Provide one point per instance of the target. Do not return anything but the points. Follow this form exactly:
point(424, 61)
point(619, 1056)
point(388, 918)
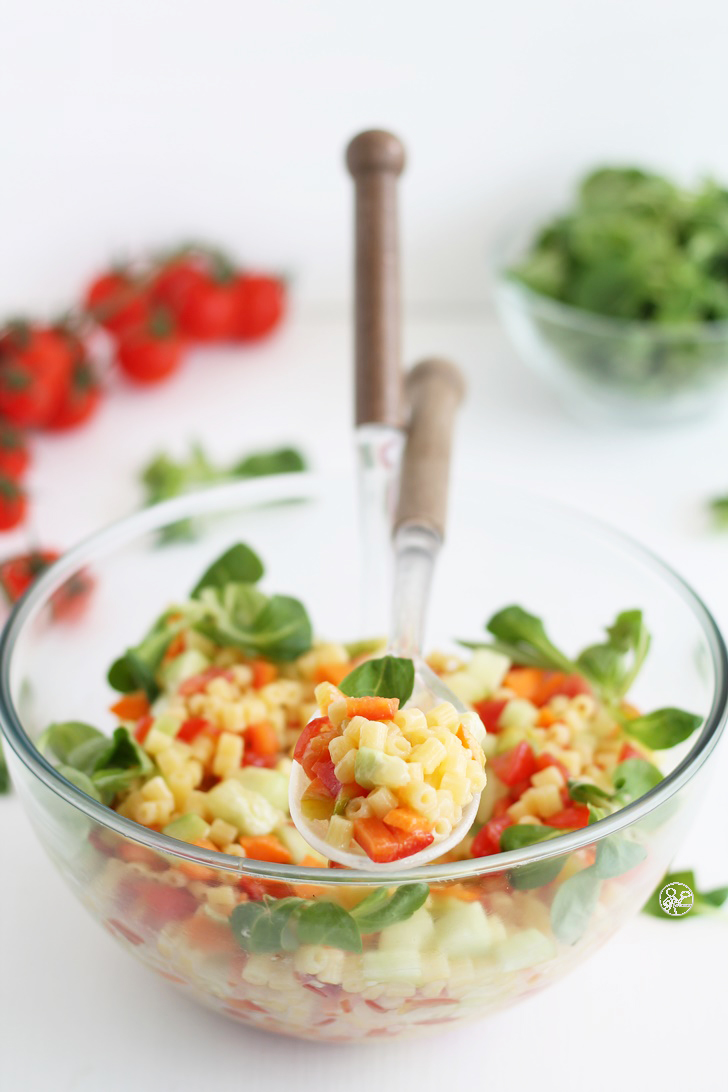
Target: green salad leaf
point(238, 565)
point(614, 665)
point(165, 477)
point(583, 792)
point(137, 668)
point(573, 905)
point(523, 637)
point(100, 765)
point(704, 902)
point(277, 925)
point(4, 775)
point(241, 616)
point(633, 778)
point(617, 855)
point(387, 677)
point(663, 728)
point(380, 908)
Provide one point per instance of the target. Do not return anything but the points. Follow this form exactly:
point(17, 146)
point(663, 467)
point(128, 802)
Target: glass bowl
point(492, 930)
point(636, 372)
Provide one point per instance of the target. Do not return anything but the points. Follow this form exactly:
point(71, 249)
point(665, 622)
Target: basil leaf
point(387, 677)
point(284, 460)
point(82, 781)
point(282, 630)
point(258, 926)
point(662, 729)
point(634, 777)
point(524, 634)
point(238, 565)
point(607, 666)
point(65, 737)
point(380, 909)
point(326, 923)
point(573, 905)
point(704, 902)
point(617, 855)
point(602, 664)
point(583, 792)
point(525, 834)
point(241, 616)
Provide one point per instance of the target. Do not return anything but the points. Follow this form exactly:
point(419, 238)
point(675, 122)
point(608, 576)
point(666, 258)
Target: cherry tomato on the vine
point(260, 303)
point(152, 352)
point(13, 504)
point(14, 452)
point(117, 302)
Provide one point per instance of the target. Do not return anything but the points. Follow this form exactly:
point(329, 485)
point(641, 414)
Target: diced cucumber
point(414, 934)
point(188, 828)
point(463, 930)
point(269, 783)
point(489, 668)
point(188, 663)
point(519, 715)
point(524, 949)
point(403, 966)
point(297, 845)
point(374, 768)
point(465, 686)
point(247, 810)
point(168, 723)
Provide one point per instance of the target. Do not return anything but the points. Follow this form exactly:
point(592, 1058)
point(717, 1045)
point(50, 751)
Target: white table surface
point(646, 1012)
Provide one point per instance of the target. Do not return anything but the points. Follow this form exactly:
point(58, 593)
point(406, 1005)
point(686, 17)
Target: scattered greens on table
point(636, 247)
point(704, 902)
point(4, 775)
point(164, 477)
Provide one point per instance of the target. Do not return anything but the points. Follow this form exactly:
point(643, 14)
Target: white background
point(128, 124)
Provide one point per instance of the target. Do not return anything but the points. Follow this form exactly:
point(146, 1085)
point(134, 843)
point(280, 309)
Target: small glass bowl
point(491, 931)
point(602, 367)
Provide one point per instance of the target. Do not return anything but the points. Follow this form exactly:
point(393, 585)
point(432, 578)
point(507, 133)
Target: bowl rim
point(302, 486)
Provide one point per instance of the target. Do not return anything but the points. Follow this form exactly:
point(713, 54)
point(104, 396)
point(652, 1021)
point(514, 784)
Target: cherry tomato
point(14, 453)
point(174, 282)
point(80, 399)
point(117, 302)
point(13, 504)
point(489, 712)
point(152, 352)
point(69, 601)
point(260, 303)
point(209, 311)
point(35, 365)
point(571, 818)
point(18, 573)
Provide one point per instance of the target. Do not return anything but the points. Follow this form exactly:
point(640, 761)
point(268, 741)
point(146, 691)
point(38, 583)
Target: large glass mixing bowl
point(491, 931)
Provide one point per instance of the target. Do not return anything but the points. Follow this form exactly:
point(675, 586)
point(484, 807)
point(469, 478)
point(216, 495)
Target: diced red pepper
point(312, 729)
point(572, 818)
point(489, 712)
point(487, 840)
point(324, 771)
point(569, 686)
point(317, 790)
point(163, 903)
point(266, 762)
point(519, 788)
point(197, 683)
point(191, 728)
point(628, 751)
point(261, 738)
point(515, 765)
point(142, 729)
point(545, 759)
point(382, 844)
point(317, 746)
point(502, 805)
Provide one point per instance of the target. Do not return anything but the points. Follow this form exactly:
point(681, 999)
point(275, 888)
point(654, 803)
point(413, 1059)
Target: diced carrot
point(310, 890)
point(372, 708)
point(456, 891)
point(262, 738)
point(558, 682)
point(131, 706)
point(332, 673)
point(525, 682)
point(176, 646)
point(263, 673)
point(210, 936)
point(265, 847)
point(407, 819)
point(382, 843)
point(197, 871)
point(546, 718)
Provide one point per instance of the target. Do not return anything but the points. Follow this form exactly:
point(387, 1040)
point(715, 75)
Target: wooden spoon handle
point(435, 389)
point(375, 160)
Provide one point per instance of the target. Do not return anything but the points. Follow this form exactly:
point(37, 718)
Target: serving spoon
point(435, 389)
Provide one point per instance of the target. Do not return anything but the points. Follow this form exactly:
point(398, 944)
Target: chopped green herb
point(388, 677)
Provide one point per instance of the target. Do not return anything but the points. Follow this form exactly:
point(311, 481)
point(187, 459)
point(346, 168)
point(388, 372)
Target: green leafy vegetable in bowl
point(628, 288)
